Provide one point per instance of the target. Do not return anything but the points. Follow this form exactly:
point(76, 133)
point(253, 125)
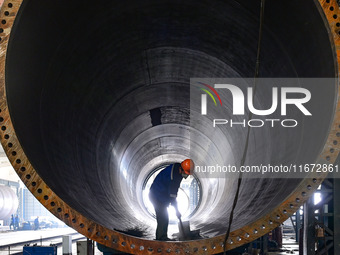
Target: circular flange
point(133, 245)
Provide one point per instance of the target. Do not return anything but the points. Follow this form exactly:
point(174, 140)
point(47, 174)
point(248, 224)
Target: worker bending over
point(163, 192)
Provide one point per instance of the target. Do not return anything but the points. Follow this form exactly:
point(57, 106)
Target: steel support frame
point(336, 208)
point(309, 228)
point(327, 215)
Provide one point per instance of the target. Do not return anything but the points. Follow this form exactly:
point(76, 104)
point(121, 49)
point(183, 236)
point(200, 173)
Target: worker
point(16, 222)
point(163, 192)
point(12, 223)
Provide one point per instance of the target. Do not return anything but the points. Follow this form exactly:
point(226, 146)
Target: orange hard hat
point(188, 165)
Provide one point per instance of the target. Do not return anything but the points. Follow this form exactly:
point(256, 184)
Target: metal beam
point(336, 204)
point(309, 228)
point(297, 225)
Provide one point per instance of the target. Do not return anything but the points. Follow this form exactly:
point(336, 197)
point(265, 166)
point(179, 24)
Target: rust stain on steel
point(135, 245)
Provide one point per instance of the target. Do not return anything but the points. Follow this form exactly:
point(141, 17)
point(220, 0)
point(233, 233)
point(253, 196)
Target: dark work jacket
point(166, 184)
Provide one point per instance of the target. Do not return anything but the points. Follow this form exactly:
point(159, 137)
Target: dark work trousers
point(162, 217)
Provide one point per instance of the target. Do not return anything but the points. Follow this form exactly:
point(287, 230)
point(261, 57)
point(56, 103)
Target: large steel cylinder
point(95, 96)
point(8, 202)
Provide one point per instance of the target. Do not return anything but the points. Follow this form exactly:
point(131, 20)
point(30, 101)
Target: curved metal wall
point(8, 202)
point(79, 81)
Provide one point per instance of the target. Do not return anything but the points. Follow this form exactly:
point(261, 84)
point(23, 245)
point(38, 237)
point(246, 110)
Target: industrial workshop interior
point(169, 127)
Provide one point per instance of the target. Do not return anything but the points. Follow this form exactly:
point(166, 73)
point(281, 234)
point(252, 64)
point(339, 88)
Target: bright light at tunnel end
point(188, 197)
point(183, 205)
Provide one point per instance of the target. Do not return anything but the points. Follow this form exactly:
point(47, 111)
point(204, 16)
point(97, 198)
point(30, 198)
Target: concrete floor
point(12, 237)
